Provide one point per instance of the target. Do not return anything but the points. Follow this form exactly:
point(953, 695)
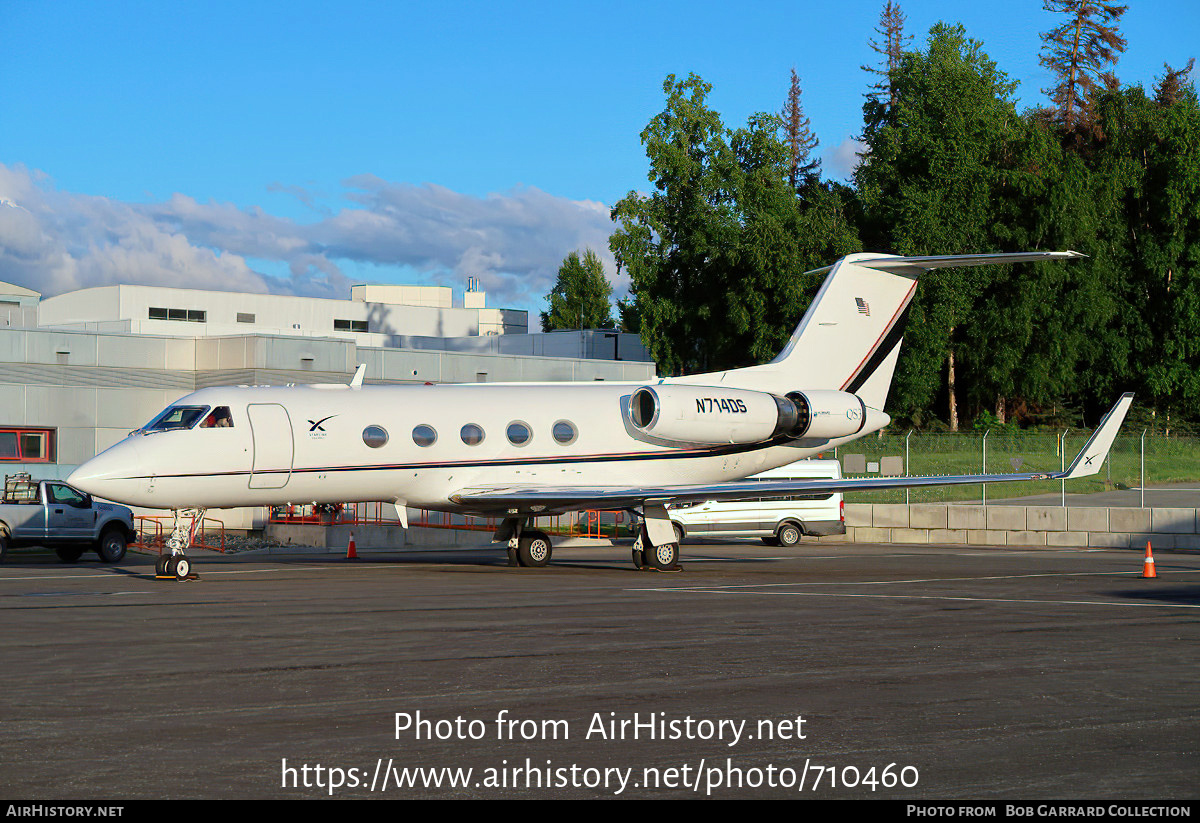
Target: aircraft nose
point(110, 473)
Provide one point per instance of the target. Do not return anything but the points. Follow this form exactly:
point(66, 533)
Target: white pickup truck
point(50, 513)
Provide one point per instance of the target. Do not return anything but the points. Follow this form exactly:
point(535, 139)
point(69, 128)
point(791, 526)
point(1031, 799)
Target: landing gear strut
point(526, 547)
point(175, 565)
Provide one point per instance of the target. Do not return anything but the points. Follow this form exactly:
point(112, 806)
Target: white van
point(779, 522)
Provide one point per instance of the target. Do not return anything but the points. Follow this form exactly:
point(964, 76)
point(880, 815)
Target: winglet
point(1092, 455)
point(359, 374)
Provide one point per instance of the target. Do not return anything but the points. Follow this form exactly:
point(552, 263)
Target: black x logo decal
point(316, 424)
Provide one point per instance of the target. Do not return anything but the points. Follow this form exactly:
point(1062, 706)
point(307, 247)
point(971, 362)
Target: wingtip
point(1095, 450)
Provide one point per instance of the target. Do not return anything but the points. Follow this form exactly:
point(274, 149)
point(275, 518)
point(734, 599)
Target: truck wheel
point(3, 545)
point(111, 547)
point(69, 554)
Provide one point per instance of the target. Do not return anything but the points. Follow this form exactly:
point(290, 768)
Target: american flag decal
point(863, 308)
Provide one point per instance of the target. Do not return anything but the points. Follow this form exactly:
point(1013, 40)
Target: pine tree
point(1081, 53)
point(891, 29)
point(802, 167)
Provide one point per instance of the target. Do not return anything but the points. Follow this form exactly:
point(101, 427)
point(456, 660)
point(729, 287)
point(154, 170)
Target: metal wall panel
point(94, 377)
point(12, 405)
point(47, 347)
point(60, 406)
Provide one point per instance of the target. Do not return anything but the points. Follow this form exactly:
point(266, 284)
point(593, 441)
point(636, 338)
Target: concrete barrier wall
point(1021, 525)
point(334, 539)
point(954, 524)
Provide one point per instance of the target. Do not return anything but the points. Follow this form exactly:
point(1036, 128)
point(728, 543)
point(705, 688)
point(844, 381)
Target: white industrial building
point(80, 370)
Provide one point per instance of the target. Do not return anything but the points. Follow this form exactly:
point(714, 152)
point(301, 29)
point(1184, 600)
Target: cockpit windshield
point(176, 417)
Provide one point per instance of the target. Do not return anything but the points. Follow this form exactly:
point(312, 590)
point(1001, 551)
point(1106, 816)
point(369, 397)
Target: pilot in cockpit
point(220, 418)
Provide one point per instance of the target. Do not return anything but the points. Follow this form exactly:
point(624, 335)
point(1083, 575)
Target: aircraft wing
point(554, 499)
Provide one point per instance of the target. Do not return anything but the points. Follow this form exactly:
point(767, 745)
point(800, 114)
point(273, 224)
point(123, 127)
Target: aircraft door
point(271, 428)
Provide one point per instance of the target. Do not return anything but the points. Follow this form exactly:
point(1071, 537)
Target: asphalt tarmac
point(821, 671)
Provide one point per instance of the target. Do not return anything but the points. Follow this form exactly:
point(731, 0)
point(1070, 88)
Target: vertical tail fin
point(850, 337)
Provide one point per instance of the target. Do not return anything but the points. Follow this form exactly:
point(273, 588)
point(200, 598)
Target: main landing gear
point(657, 543)
point(175, 565)
point(660, 558)
point(526, 547)
point(656, 547)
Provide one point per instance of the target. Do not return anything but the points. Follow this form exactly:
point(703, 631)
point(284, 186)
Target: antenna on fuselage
point(359, 374)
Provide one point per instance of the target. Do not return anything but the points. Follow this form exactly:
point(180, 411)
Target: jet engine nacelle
point(826, 414)
point(715, 416)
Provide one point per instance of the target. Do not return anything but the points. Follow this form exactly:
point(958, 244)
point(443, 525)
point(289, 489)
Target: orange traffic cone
point(1148, 565)
point(351, 552)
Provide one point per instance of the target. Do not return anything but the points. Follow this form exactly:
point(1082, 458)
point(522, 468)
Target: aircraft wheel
point(534, 550)
point(160, 565)
point(69, 554)
point(788, 534)
point(639, 559)
point(179, 567)
point(663, 558)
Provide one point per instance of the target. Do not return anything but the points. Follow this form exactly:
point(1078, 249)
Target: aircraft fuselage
point(302, 444)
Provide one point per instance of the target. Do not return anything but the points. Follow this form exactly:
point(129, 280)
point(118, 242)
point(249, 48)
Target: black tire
point(111, 547)
point(789, 535)
point(3, 545)
point(179, 567)
point(678, 531)
point(69, 554)
point(770, 541)
point(160, 565)
point(534, 550)
point(639, 559)
point(663, 558)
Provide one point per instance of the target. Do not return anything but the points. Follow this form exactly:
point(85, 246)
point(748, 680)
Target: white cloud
point(844, 157)
point(55, 241)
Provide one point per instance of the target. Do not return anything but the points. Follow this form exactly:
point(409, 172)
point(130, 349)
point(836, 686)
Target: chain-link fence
point(1135, 461)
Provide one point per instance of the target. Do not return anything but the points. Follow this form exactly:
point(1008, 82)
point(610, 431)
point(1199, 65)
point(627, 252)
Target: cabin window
point(220, 418)
point(375, 436)
point(176, 417)
point(519, 433)
point(471, 434)
point(564, 432)
point(424, 435)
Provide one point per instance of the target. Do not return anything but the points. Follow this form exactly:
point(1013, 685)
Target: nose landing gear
point(176, 565)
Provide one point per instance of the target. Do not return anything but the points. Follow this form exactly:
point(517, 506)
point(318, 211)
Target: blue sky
point(298, 147)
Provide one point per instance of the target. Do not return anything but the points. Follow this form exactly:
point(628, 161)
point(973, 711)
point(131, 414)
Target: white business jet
point(520, 450)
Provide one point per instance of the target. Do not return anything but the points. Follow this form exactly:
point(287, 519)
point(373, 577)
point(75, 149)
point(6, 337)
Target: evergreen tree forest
point(717, 251)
